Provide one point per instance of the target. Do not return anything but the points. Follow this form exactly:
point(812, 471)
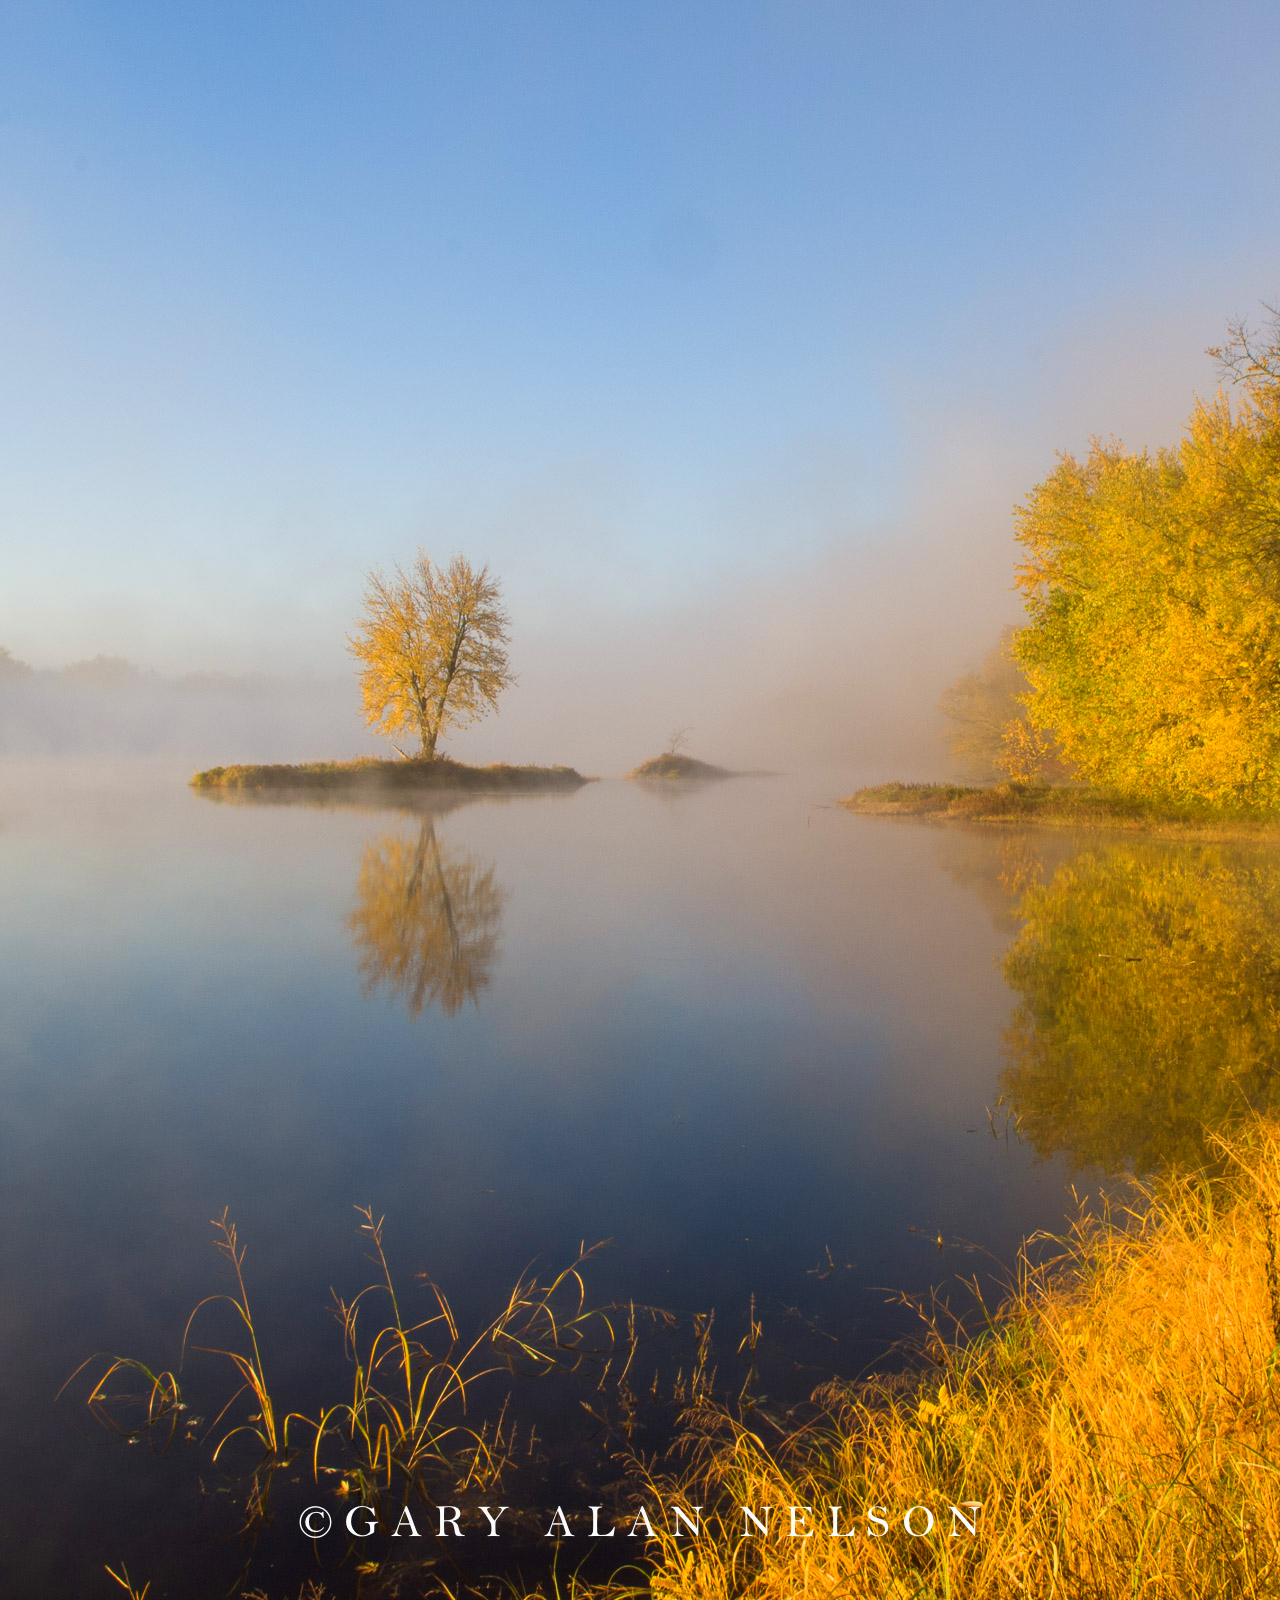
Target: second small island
point(671, 765)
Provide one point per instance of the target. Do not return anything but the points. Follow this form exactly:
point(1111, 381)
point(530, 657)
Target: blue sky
point(654, 304)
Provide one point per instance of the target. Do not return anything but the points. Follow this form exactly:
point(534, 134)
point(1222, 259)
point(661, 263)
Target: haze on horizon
point(727, 334)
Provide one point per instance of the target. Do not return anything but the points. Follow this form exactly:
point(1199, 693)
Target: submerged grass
point(1116, 1424)
point(1059, 805)
point(370, 772)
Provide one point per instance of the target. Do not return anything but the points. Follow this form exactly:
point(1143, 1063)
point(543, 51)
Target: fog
point(814, 623)
point(199, 719)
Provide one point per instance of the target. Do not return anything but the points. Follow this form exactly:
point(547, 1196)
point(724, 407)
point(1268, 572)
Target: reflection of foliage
point(426, 921)
point(1149, 1002)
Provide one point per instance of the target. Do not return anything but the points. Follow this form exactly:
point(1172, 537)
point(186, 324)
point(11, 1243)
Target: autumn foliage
point(1152, 586)
point(432, 649)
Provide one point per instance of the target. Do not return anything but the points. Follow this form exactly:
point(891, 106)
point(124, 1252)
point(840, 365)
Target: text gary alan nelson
point(785, 1522)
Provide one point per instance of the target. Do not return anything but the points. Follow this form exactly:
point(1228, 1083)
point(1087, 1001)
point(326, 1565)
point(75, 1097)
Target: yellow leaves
point(1025, 750)
point(932, 1410)
point(432, 647)
point(988, 731)
point(1153, 592)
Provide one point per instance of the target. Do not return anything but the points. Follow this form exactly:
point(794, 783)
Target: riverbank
point(1114, 1430)
point(1055, 806)
point(397, 777)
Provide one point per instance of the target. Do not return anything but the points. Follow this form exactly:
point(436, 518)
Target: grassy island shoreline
point(401, 777)
point(1055, 805)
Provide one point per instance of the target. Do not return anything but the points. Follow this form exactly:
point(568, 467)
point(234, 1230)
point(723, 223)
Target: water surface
point(757, 1043)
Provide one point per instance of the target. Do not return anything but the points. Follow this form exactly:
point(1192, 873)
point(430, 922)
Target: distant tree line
point(104, 672)
point(1150, 662)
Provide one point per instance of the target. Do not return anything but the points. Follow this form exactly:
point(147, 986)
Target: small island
point(432, 646)
point(672, 765)
point(370, 773)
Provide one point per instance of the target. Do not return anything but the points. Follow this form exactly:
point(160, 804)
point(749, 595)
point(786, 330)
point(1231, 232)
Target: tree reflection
point(1148, 1011)
point(426, 921)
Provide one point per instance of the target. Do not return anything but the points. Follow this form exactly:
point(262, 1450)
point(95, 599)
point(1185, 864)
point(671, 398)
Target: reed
point(405, 1427)
point(1112, 1426)
point(123, 1579)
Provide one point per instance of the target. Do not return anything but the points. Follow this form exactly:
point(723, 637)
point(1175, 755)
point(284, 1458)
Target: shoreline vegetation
point(1145, 663)
point(401, 777)
point(1112, 1427)
point(1056, 805)
point(671, 765)
point(1117, 1418)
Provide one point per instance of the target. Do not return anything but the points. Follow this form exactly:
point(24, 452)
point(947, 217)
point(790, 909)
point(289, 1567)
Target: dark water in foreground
point(750, 1039)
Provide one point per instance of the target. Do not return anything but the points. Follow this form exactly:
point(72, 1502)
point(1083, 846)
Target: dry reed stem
point(404, 1425)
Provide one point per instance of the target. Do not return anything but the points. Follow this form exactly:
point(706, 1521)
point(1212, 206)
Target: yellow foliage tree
point(432, 643)
point(1152, 584)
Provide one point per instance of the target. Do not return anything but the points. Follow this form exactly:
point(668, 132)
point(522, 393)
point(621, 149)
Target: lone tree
point(432, 643)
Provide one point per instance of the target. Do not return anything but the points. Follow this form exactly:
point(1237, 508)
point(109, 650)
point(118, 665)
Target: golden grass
point(122, 1578)
point(1113, 1428)
point(1118, 1419)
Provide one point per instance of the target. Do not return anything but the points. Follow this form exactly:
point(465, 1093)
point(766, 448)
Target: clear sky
point(669, 309)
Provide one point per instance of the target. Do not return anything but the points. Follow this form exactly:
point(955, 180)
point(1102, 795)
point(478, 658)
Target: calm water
point(729, 1028)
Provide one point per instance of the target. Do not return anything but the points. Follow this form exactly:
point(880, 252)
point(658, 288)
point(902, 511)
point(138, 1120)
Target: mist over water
point(814, 621)
point(201, 724)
